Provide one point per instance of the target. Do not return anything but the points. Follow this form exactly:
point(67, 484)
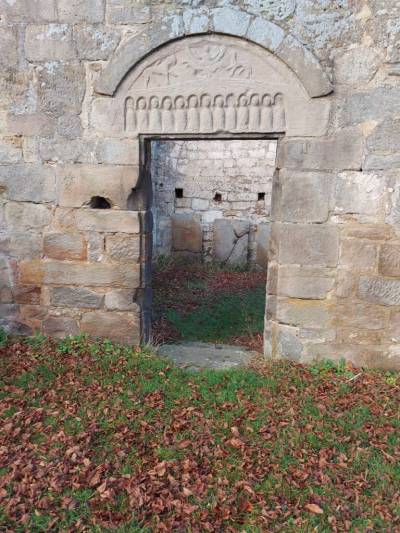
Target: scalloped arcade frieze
point(210, 84)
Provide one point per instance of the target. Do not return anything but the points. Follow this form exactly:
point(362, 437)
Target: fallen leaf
point(314, 508)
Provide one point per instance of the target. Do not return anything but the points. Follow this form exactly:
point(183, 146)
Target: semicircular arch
point(224, 21)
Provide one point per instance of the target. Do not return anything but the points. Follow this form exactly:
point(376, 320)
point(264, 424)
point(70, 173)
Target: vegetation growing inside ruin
point(207, 302)
point(98, 437)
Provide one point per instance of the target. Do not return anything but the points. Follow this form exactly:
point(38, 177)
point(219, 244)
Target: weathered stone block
point(123, 248)
point(231, 241)
point(343, 152)
point(8, 313)
point(60, 326)
point(23, 244)
point(31, 183)
point(6, 279)
point(64, 246)
point(376, 104)
point(121, 300)
point(29, 10)
point(95, 246)
point(27, 294)
point(265, 33)
point(385, 137)
point(28, 124)
point(389, 260)
point(356, 66)
point(73, 11)
point(309, 283)
point(30, 149)
point(79, 273)
point(360, 315)
point(69, 126)
point(186, 234)
point(262, 245)
point(379, 290)
point(64, 220)
point(119, 327)
point(61, 88)
point(102, 118)
point(33, 314)
point(228, 20)
point(56, 149)
point(125, 12)
point(357, 254)
point(345, 284)
point(304, 313)
point(118, 152)
point(359, 193)
point(394, 206)
point(75, 297)
point(373, 232)
point(52, 42)
point(8, 43)
point(305, 65)
point(308, 244)
point(288, 344)
point(79, 183)
point(195, 21)
point(108, 221)
point(305, 197)
point(382, 161)
point(95, 43)
point(395, 326)
point(199, 204)
point(359, 355)
point(21, 216)
point(360, 336)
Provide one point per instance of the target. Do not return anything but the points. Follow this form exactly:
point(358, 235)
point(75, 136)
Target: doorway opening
point(211, 206)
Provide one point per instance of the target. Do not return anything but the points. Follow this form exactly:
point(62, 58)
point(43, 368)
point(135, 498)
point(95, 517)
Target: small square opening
point(218, 197)
point(178, 193)
point(261, 196)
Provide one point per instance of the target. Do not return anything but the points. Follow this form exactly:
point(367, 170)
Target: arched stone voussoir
point(225, 21)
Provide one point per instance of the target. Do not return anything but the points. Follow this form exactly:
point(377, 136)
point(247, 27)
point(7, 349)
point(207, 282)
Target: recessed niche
point(98, 202)
point(178, 193)
point(218, 197)
point(261, 196)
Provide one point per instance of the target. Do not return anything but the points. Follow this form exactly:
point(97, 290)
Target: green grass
point(232, 315)
point(99, 437)
point(208, 302)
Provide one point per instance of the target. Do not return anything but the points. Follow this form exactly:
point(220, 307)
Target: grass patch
point(209, 303)
point(231, 315)
point(99, 437)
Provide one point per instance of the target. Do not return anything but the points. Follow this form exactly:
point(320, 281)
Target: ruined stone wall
point(204, 182)
point(66, 68)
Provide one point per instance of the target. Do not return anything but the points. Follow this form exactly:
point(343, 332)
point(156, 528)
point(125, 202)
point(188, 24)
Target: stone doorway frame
point(142, 199)
point(301, 239)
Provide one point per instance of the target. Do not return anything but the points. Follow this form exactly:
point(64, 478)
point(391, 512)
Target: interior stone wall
point(71, 73)
point(220, 182)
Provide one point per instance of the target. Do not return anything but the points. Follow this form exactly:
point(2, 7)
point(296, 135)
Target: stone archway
point(182, 83)
point(224, 21)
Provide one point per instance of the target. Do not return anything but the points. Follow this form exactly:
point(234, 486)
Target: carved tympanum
point(207, 84)
point(161, 98)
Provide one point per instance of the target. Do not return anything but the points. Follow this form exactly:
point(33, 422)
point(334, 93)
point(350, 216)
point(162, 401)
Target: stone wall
point(71, 77)
point(216, 187)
